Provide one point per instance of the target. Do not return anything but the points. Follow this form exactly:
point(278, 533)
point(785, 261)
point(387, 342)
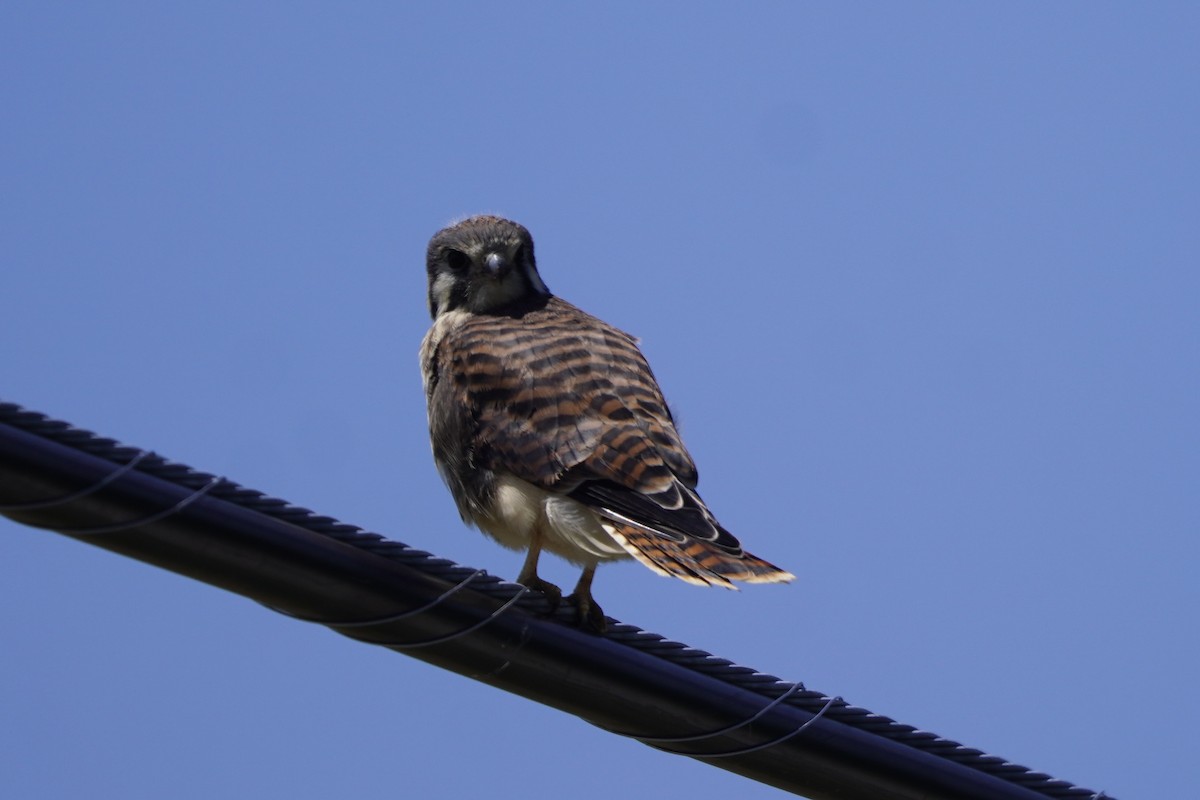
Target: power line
point(375, 590)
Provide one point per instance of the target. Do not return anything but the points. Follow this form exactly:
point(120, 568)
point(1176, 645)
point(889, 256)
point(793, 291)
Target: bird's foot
point(588, 613)
point(552, 593)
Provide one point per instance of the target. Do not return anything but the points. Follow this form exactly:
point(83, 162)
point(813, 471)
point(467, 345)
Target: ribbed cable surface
point(765, 685)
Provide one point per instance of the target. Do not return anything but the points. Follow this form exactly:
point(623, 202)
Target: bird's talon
point(588, 614)
point(552, 593)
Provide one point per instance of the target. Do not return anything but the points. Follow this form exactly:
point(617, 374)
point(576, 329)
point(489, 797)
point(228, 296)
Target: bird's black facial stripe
point(446, 293)
point(458, 296)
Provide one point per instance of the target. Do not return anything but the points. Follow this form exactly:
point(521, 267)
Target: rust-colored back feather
point(567, 402)
point(697, 562)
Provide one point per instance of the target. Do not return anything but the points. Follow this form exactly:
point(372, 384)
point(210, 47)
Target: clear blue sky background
point(922, 281)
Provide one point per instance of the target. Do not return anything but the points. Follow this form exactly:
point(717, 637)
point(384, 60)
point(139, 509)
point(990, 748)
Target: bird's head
point(481, 264)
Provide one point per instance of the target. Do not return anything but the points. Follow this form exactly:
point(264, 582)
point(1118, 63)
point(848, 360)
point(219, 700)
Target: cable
point(362, 585)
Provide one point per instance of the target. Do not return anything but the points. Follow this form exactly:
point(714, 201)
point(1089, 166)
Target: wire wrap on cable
point(363, 623)
point(93, 530)
point(79, 494)
point(657, 742)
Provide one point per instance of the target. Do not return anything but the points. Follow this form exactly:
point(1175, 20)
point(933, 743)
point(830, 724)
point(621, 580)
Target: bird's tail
point(692, 560)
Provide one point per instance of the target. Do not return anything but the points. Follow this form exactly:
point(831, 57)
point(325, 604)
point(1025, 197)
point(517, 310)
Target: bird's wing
point(568, 402)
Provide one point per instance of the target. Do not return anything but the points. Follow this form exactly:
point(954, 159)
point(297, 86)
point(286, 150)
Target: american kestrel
point(550, 429)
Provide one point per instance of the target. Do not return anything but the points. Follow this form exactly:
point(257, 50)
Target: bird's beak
point(496, 264)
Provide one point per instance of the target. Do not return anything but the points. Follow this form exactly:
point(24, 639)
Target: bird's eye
point(457, 260)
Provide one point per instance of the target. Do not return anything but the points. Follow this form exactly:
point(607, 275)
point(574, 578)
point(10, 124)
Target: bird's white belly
point(569, 528)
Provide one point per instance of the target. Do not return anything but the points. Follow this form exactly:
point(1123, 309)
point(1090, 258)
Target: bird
point(550, 429)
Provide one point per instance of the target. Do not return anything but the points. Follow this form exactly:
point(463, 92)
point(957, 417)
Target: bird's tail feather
point(693, 560)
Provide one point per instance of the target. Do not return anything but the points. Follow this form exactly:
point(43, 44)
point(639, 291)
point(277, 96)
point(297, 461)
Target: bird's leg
point(590, 615)
point(529, 576)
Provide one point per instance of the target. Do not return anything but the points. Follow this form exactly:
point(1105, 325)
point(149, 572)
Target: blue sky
point(921, 281)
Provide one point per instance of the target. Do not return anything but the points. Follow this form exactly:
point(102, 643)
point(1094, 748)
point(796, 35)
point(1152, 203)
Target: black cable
point(380, 591)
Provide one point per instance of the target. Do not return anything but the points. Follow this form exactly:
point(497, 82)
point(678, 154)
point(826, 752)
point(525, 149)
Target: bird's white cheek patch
point(534, 279)
point(443, 284)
